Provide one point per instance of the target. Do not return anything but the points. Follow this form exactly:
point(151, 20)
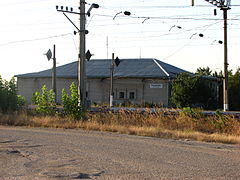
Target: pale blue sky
point(30, 27)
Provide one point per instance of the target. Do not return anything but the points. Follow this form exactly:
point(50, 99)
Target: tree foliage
point(71, 105)
point(204, 71)
point(9, 100)
point(45, 101)
point(192, 91)
point(233, 86)
point(234, 90)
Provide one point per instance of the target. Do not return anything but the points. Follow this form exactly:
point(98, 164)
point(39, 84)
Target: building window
point(131, 95)
point(121, 95)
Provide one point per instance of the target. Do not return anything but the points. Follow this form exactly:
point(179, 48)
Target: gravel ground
point(38, 153)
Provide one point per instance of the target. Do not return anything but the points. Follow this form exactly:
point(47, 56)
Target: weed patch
point(187, 125)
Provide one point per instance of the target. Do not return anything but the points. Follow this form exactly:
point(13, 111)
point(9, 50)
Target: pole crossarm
point(64, 11)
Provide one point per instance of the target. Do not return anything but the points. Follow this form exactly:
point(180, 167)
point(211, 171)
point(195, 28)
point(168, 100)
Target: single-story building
point(136, 81)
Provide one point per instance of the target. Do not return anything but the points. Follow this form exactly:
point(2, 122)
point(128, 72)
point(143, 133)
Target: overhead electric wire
point(162, 6)
point(176, 33)
point(36, 39)
point(191, 40)
point(169, 18)
point(153, 18)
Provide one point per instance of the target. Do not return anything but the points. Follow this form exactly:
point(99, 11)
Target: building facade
point(136, 81)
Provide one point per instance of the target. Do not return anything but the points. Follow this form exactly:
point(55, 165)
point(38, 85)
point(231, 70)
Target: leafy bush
point(234, 90)
point(21, 101)
point(190, 112)
point(9, 100)
point(71, 105)
point(222, 123)
point(45, 101)
point(192, 91)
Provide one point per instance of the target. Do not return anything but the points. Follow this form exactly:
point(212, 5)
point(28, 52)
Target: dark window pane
point(131, 95)
point(121, 95)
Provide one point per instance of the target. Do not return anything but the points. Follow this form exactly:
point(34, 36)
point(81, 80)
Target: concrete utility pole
point(115, 62)
point(54, 77)
point(82, 56)
point(224, 5)
point(225, 84)
point(82, 47)
point(111, 81)
point(49, 57)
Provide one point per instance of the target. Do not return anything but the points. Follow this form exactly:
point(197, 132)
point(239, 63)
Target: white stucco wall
point(146, 91)
point(27, 86)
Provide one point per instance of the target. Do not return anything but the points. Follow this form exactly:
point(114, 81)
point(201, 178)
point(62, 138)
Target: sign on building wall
point(156, 86)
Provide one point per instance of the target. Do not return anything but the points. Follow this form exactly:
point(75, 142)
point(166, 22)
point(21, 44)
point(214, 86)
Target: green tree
point(191, 91)
point(234, 90)
point(204, 71)
point(71, 105)
point(45, 101)
point(219, 75)
point(233, 86)
point(9, 100)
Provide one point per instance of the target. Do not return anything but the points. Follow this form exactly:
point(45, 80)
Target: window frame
point(120, 93)
point(132, 93)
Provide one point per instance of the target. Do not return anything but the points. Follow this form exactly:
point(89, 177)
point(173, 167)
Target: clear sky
point(167, 30)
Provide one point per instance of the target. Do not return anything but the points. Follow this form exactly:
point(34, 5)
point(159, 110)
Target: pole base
point(111, 101)
point(225, 107)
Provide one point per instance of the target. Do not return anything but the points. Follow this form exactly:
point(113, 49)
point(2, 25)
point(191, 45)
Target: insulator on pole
point(215, 12)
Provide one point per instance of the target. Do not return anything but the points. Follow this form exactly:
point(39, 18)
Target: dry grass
point(219, 128)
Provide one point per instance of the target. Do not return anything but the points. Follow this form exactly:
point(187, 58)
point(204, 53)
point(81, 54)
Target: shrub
point(190, 112)
point(221, 122)
point(71, 105)
point(21, 101)
point(45, 101)
point(192, 91)
point(9, 100)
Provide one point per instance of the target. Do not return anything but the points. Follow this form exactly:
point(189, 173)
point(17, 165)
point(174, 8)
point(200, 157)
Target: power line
point(180, 32)
point(160, 7)
point(36, 39)
point(170, 18)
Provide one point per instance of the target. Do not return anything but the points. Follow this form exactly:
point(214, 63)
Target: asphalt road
point(36, 153)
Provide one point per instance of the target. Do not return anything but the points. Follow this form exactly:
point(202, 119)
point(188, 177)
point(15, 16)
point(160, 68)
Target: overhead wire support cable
point(71, 21)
